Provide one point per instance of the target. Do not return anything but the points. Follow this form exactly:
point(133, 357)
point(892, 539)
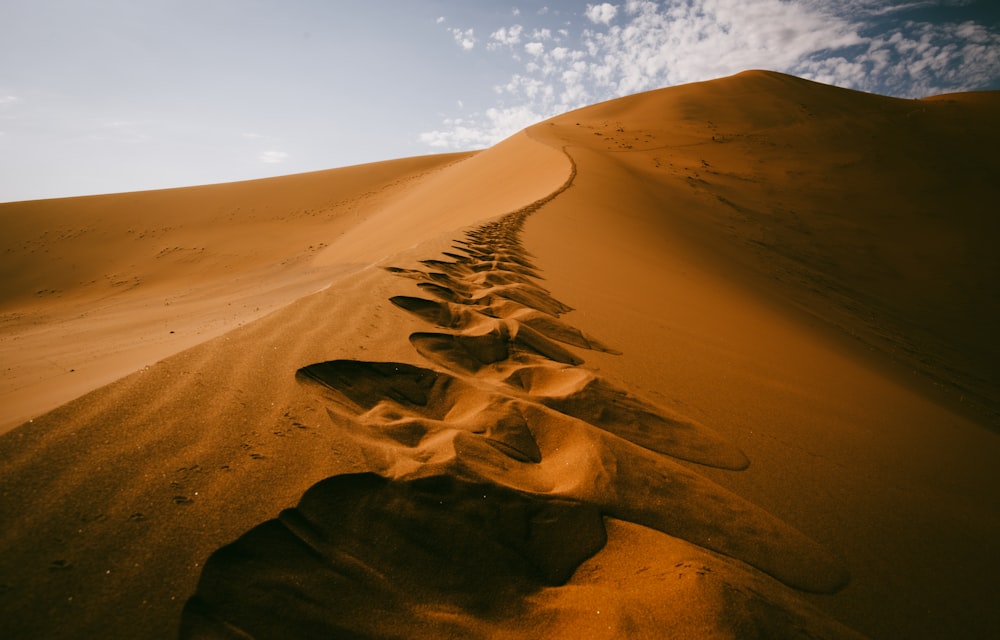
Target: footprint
point(60, 565)
point(584, 395)
point(467, 266)
point(444, 314)
point(470, 353)
point(404, 404)
point(449, 315)
point(446, 294)
point(361, 556)
point(529, 296)
point(361, 385)
point(492, 278)
point(547, 325)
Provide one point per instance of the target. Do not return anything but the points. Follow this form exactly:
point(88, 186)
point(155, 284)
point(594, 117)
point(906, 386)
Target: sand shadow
point(361, 556)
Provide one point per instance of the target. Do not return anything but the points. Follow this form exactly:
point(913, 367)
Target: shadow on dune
point(363, 556)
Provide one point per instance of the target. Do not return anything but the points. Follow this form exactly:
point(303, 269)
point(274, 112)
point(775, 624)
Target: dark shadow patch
point(366, 383)
point(365, 557)
point(470, 353)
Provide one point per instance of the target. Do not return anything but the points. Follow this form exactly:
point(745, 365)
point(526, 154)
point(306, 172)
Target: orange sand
point(711, 361)
point(97, 287)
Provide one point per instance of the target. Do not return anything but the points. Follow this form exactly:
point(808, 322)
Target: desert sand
point(713, 361)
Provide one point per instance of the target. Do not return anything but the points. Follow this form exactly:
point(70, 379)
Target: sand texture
point(714, 361)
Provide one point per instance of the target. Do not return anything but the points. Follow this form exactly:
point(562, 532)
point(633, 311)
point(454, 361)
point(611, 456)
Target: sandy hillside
point(712, 361)
point(97, 287)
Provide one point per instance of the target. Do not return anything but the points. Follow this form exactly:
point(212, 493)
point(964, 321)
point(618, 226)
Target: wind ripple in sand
point(488, 483)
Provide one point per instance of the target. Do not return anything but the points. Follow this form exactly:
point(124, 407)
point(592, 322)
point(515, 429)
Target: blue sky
point(100, 96)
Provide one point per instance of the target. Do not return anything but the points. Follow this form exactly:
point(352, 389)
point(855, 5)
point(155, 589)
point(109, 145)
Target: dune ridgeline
point(713, 361)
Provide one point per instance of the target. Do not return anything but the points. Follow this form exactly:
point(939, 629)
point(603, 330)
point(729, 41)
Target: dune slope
point(96, 287)
point(874, 214)
point(727, 315)
point(644, 369)
point(135, 483)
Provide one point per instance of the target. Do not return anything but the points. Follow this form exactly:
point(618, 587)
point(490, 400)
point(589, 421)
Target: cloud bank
point(610, 50)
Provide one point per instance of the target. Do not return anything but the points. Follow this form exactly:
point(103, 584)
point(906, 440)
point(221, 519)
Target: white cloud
point(6, 100)
point(507, 36)
point(483, 130)
point(464, 38)
point(440, 20)
point(535, 48)
point(272, 157)
point(458, 135)
point(616, 50)
point(920, 59)
point(601, 13)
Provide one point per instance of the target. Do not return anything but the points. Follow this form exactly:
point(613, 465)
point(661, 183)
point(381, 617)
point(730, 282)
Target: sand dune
point(712, 361)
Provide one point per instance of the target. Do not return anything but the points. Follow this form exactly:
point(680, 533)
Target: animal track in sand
point(487, 478)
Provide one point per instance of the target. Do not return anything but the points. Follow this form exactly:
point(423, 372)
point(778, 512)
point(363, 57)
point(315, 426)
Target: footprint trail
point(490, 473)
